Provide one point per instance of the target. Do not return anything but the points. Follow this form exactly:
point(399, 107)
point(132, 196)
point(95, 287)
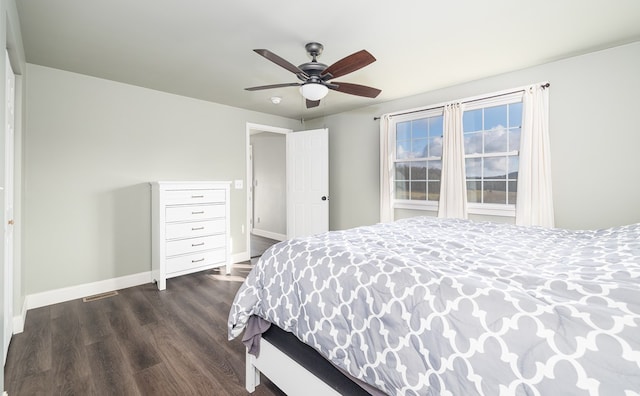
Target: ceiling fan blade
point(349, 64)
point(354, 89)
point(312, 103)
point(272, 86)
point(281, 62)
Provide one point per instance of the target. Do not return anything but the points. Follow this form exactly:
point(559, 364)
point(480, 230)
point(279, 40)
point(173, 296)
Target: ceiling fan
point(315, 76)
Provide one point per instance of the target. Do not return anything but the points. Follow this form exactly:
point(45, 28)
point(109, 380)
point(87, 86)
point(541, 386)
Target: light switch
point(238, 184)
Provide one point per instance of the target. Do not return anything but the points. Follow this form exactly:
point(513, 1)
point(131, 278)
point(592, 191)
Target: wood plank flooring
point(259, 244)
point(140, 342)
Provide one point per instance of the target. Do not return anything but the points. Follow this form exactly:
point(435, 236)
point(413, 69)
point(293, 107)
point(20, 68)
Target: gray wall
point(269, 175)
point(92, 147)
point(594, 131)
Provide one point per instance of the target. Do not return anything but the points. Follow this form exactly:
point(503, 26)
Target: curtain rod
point(469, 100)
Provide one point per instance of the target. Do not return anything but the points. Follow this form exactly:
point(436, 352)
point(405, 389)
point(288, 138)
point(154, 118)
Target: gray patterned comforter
point(427, 306)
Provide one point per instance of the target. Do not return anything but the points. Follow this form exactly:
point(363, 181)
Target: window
point(491, 144)
point(418, 156)
point(491, 130)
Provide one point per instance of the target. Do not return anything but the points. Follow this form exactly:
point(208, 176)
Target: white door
point(307, 182)
point(8, 208)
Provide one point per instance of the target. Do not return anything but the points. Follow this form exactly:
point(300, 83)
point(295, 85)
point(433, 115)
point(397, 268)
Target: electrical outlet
point(239, 184)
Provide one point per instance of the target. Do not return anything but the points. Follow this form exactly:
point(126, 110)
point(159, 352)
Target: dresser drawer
point(194, 213)
point(195, 229)
point(194, 197)
point(191, 245)
point(191, 261)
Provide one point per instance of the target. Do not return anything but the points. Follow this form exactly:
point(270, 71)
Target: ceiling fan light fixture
point(313, 91)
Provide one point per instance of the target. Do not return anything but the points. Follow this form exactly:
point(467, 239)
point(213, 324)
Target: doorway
point(269, 182)
point(266, 187)
point(304, 210)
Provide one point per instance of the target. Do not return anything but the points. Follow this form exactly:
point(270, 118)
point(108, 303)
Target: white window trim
point(415, 205)
point(473, 208)
point(488, 209)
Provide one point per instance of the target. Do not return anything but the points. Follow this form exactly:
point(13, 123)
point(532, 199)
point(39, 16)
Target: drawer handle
point(197, 196)
point(197, 228)
point(196, 261)
point(197, 244)
point(200, 212)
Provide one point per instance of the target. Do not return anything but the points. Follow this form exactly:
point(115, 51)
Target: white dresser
point(189, 228)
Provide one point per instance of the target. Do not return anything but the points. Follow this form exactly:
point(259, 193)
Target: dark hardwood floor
point(140, 342)
point(259, 244)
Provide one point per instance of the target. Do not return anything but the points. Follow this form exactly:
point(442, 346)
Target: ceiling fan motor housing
point(313, 70)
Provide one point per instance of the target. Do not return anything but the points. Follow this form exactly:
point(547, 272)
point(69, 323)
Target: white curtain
point(535, 202)
point(386, 169)
point(453, 186)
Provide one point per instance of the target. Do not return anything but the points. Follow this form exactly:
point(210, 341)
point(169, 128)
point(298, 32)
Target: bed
point(427, 306)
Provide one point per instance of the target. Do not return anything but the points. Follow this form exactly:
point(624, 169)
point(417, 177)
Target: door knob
point(324, 198)
point(11, 222)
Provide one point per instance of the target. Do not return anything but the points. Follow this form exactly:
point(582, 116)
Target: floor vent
point(100, 296)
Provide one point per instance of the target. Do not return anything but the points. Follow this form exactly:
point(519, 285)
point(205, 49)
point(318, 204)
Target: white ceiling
point(203, 48)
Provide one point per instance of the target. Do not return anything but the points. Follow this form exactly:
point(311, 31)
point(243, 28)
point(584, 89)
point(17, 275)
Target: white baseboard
point(269, 234)
point(18, 320)
point(88, 289)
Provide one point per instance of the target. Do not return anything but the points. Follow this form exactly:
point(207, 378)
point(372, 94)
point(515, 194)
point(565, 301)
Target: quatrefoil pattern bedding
point(427, 306)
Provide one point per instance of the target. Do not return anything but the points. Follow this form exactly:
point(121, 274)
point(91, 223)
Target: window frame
point(473, 208)
point(411, 203)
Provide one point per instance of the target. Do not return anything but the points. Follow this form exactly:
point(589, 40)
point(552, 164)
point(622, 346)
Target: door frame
point(252, 129)
point(8, 190)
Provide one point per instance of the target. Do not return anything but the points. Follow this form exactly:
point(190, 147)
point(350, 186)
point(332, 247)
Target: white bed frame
point(286, 373)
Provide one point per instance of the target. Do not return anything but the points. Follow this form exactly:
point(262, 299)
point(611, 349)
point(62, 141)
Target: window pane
point(419, 128)
point(472, 120)
point(402, 190)
point(474, 191)
point(402, 170)
point(515, 115)
point(495, 117)
point(513, 167)
point(514, 139)
point(435, 147)
point(435, 126)
point(473, 143)
point(435, 170)
point(418, 148)
point(403, 130)
point(418, 190)
point(433, 190)
point(473, 168)
point(495, 168)
point(403, 149)
point(495, 141)
point(495, 192)
point(419, 170)
point(513, 192)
